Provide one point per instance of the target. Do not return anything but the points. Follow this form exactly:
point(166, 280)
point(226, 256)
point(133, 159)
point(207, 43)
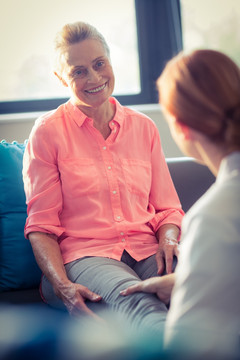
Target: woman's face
point(88, 73)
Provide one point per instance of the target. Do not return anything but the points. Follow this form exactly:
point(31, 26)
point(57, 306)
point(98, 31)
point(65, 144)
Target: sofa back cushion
point(18, 268)
point(190, 178)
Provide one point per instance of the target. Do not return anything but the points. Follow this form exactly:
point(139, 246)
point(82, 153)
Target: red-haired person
point(200, 96)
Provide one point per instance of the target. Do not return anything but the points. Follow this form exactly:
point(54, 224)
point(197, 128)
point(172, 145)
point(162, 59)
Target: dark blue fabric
point(18, 268)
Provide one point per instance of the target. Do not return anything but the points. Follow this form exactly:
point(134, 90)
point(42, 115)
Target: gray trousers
point(107, 277)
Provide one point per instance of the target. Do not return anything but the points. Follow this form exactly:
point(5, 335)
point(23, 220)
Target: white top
point(205, 308)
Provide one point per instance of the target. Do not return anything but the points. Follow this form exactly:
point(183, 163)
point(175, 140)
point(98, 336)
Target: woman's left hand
point(167, 236)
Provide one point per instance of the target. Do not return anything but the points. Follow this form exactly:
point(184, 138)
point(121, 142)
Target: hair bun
point(233, 114)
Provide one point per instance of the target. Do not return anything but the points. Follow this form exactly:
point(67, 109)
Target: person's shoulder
point(49, 117)
point(218, 197)
point(135, 113)
point(219, 207)
point(48, 123)
point(139, 118)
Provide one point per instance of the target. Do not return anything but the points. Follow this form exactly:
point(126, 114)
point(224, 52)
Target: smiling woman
point(85, 68)
point(94, 204)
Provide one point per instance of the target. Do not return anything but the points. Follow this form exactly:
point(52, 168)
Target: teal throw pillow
point(18, 268)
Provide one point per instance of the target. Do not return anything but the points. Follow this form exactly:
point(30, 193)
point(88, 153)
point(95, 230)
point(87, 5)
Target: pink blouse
point(98, 196)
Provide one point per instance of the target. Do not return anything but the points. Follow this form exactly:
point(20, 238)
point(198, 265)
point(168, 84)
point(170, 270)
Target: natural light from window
point(28, 28)
point(212, 24)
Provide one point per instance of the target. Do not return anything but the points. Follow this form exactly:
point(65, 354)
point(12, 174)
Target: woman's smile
point(96, 90)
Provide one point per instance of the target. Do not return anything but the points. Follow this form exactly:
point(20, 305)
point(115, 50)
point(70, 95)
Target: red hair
point(202, 90)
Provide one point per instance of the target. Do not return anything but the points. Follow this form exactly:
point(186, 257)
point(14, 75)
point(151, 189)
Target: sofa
point(19, 272)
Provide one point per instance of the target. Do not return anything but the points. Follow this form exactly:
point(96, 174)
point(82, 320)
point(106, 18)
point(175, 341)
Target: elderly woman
point(200, 95)
point(102, 209)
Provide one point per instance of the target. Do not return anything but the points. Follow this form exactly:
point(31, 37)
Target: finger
point(160, 264)
point(131, 289)
point(169, 263)
point(81, 308)
point(89, 312)
point(176, 250)
point(88, 294)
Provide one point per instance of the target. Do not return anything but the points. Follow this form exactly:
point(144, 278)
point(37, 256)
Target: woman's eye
point(78, 73)
point(100, 64)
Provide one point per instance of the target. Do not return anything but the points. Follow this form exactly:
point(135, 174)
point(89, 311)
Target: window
point(212, 24)
point(26, 65)
point(142, 35)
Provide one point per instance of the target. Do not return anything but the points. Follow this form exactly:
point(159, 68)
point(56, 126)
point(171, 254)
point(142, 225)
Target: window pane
point(212, 24)
point(29, 27)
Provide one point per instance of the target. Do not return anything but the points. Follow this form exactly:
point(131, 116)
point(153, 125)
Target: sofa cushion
point(190, 179)
point(18, 268)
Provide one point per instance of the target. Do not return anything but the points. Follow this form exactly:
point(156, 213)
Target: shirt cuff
point(49, 229)
point(166, 217)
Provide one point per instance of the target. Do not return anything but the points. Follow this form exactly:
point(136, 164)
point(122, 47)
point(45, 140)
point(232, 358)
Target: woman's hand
point(49, 259)
point(74, 296)
point(167, 237)
point(162, 286)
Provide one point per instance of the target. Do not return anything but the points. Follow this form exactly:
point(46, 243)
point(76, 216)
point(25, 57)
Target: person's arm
point(167, 236)
point(49, 259)
point(44, 199)
point(162, 286)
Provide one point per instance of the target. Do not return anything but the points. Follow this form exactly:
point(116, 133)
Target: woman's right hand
point(161, 286)
point(74, 295)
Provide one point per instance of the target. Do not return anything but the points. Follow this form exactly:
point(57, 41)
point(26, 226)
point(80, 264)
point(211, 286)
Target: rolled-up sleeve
point(163, 196)
point(42, 184)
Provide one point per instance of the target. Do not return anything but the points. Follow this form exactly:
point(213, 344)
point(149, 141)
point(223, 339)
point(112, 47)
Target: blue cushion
point(18, 268)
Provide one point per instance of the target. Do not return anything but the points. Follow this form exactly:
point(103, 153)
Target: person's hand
point(74, 296)
point(168, 247)
point(162, 286)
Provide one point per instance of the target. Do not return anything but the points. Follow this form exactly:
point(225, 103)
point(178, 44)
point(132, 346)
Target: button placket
point(113, 182)
point(114, 126)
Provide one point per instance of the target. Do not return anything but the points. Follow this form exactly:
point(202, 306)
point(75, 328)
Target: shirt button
point(118, 217)
point(121, 233)
point(114, 192)
point(113, 124)
point(104, 147)
point(109, 167)
point(123, 240)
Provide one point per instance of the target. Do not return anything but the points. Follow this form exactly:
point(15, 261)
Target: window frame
point(159, 33)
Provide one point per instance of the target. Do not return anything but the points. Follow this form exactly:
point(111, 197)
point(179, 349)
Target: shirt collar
point(119, 114)
point(79, 117)
point(229, 167)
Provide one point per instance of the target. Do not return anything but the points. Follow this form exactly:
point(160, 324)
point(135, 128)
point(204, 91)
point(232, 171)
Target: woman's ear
point(61, 79)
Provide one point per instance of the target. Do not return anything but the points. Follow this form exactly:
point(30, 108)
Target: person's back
point(205, 311)
point(200, 95)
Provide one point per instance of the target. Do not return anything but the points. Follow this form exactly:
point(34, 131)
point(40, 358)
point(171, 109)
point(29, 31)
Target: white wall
point(18, 126)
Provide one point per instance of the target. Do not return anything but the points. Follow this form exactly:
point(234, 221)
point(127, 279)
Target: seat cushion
point(18, 268)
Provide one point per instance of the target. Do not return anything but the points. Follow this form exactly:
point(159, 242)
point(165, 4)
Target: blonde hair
point(71, 34)
point(202, 90)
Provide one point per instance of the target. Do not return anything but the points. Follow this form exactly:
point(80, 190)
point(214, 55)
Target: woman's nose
point(93, 76)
